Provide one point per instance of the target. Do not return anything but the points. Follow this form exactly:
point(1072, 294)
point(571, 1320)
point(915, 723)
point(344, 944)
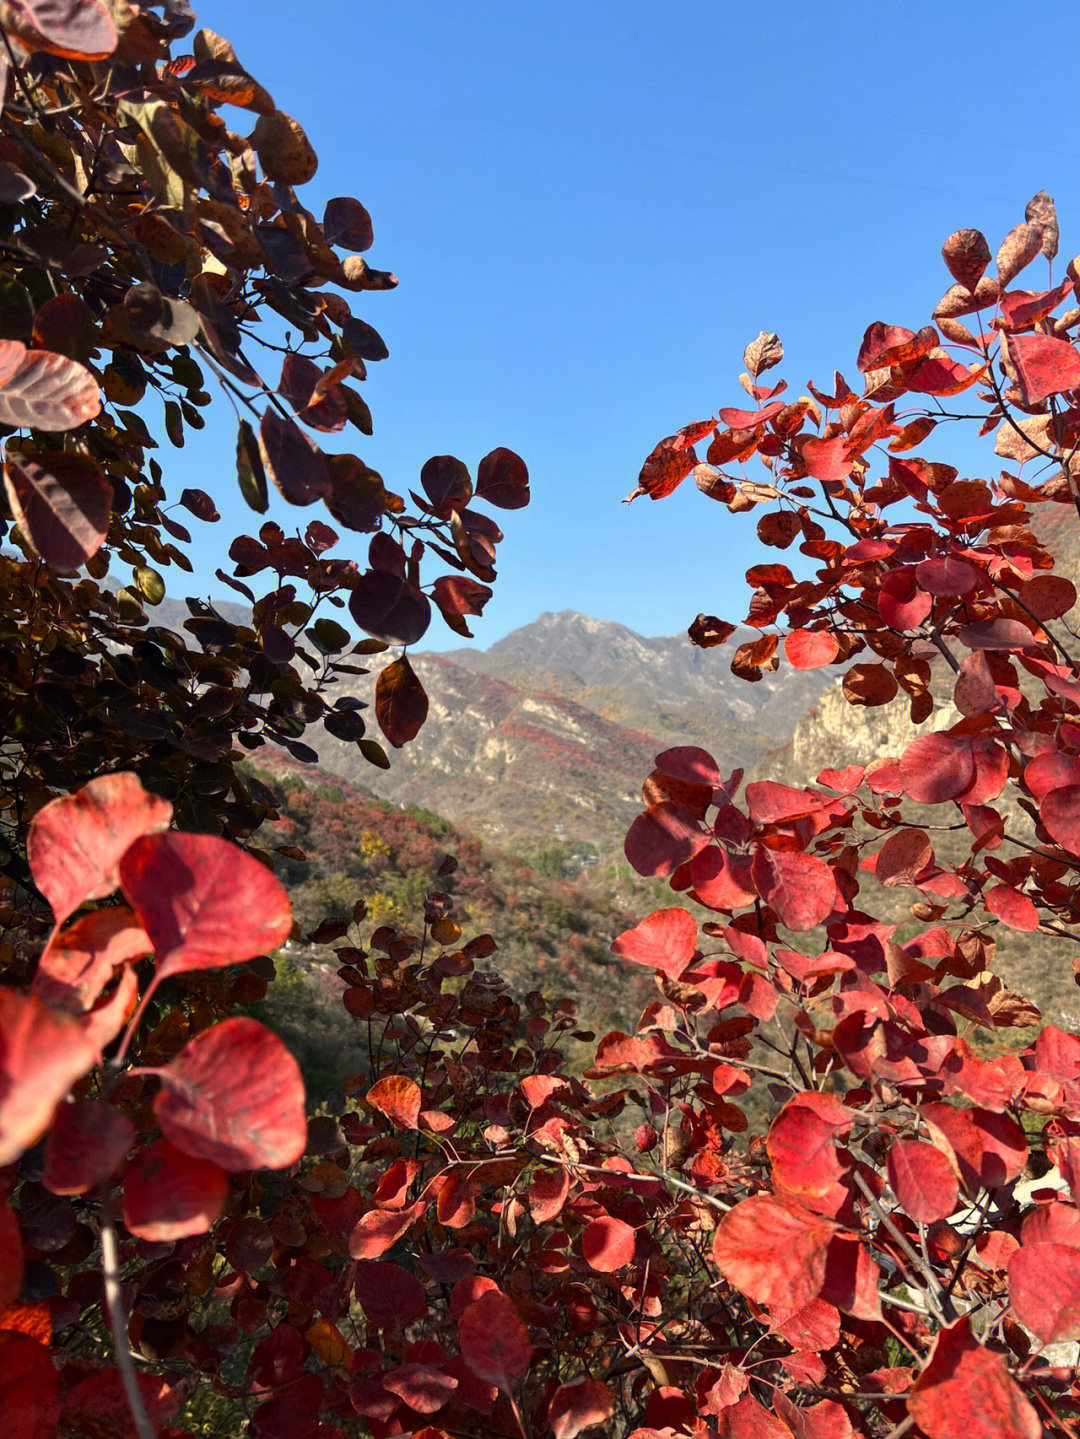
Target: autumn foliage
point(481, 1239)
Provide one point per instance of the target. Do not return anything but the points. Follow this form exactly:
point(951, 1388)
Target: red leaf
point(398, 1098)
point(1052, 770)
point(203, 901)
point(84, 30)
point(990, 1148)
point(43, 390)
point(802, 1145)
point(494, 1342)
point(923, 1180)
point(42, 1054)
point(770, 802)
point(608, 1244)
point(801, 888)
point(457, 596)
point(690, 765)
point(380, 1229)
point(937, 767)
point(825, 1420)
point(903, 856)
point(999, 634)
point(423, 1389)
point(884, 346)
point(234, 1095)
point(664, 470)
point(61, 501)
point(547, 1194)
point(79, 961)
point(946, 575)
point(29, 1388)
point(721, 881)
point(503, 480)
point(387, 606)
point(827, 460)
point(169, 1195)
point(1012, 907)
point(11, 1256)
point(774, 1253)
point(1060, 813)
point(901, 604)
point(1044, 1289)
point(87, 1142)
point(966, 1392)
point(810, 649)
point(666, 940)
point(967, 255)
point(584, 1404)
point(390, 1296)
point(975, 692)
point(292, 460)
point(76, 842)
point(663, 838)
point(1048, 596)
point(1044, 366)
point(347, 225)
point(401, 705)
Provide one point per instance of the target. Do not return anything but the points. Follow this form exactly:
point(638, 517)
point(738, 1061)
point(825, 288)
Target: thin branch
point(114, 1309)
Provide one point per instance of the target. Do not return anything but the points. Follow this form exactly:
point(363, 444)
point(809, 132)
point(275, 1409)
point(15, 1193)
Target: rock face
point(548, 735)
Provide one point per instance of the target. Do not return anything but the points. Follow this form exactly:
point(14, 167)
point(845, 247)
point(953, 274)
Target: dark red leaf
point(169, 1195)
point(503, 480)
point(390, 1296)
point(401, 704)
point(580, 1405)
point(87, 1142)
point(294, 462)
point(388, 607)
point(1044, 366)
point(11, 1256)
point(347, 224)
point(61, 501)
point(29, 1387)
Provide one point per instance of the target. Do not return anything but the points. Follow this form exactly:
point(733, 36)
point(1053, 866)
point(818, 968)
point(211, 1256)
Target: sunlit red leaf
point(967, 255)
point(664, 470)
point(203, 901)
point(61, 501)
point(1060, 813)
point(720, 880)
point(965, 1391)
point(87, 1142)
point(580, 1405)
point(825, 1420)
point(801, 888)
point(458, 596)
point(44, 391)
point(425, 1390)
point(398, 1097)
point(901, 603)
point(494, 1342)
point(827, 460)
point(1017, 250)
point(937, 767)
point(774, 1253)
point(1044, 1290)
point(76, 842)
point(903, 856)
point(79, 961)
point(234, 1094)
point(662, 838)
point(547, 1194)
point(922, 1179)
point(1044, 366)
point(810, 649)
point(666, 940)
point(169, 1195)
point(608, 1244)
point(802, 1145)
point(1012, 907)
point(401, 703)
point(380, 1229)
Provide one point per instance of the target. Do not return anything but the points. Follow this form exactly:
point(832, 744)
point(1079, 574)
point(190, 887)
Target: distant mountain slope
point(550, 733)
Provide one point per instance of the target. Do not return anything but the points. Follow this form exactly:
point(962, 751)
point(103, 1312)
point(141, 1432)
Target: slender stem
point(114, 1309)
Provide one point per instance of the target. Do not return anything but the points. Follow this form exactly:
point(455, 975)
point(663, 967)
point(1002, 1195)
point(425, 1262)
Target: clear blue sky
point(592, 207)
